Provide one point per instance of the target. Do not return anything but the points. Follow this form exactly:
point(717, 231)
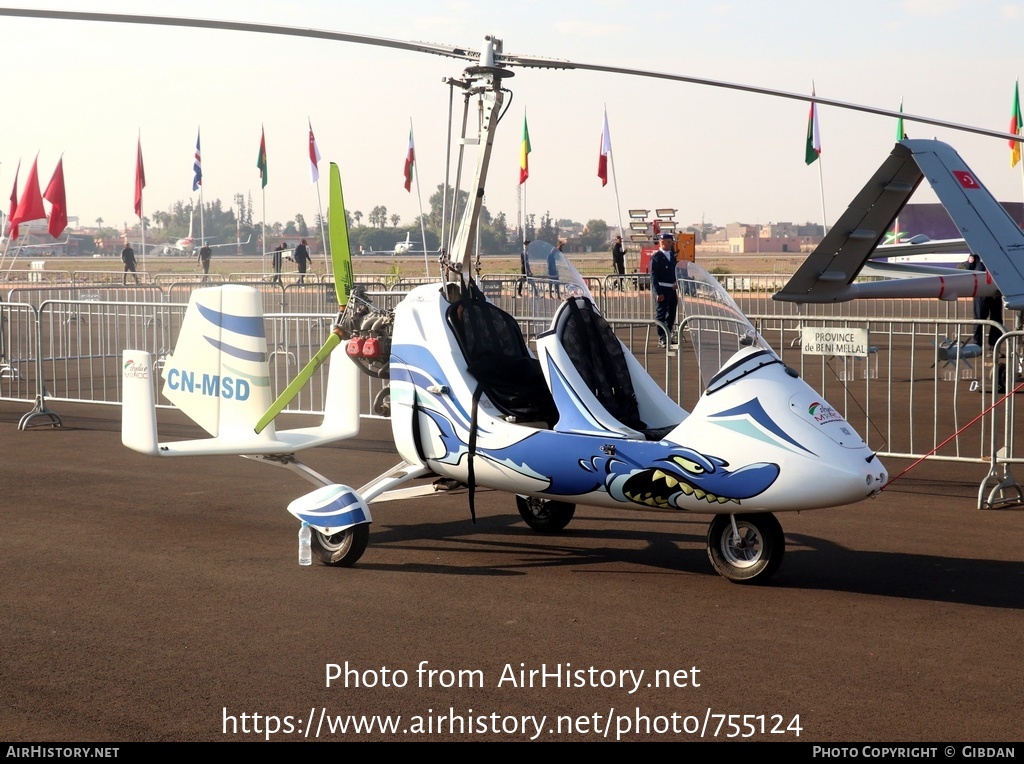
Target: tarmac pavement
point(151, 600)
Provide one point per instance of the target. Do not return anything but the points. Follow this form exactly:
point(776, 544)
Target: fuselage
point(759, 439)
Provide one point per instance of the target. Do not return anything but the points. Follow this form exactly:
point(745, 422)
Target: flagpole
point(419, 200)
point(141, 209)
point(314, 169)
point(14, 206)
point(197, 185)
point(615, 179)
point(1015, 128)
point(519, 215)
point(812, 153)
point(1016, 91)
point(821, 189)
point(142, 225)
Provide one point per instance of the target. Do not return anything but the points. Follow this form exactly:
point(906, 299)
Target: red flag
point(606, 149)
point(314, 156)
point(410, 160)
point(14, 204)
point(140, 179)
point(31, 206)
point(58, 201)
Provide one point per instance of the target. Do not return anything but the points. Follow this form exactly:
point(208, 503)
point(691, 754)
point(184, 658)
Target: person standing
point(663, 285)
point(986, 308)
point(619, 257)
point(277, 262)
point(302, 260)
point(205, 255)
point(128, 258)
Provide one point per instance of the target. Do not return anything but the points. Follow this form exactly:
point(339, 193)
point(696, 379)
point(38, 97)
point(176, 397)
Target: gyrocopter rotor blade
point(341, 258)
point(500, 59)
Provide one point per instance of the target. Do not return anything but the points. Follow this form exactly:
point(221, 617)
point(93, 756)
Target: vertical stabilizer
point(219, 375)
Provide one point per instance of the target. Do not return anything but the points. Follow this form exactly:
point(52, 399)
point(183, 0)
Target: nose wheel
point(746, 549)
point(545, 515)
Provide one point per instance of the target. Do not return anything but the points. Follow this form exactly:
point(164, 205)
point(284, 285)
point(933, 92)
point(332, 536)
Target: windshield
point(549, 278)
point(717, 327)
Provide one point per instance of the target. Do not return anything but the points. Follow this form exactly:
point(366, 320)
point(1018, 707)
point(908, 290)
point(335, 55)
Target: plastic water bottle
point(305, 544)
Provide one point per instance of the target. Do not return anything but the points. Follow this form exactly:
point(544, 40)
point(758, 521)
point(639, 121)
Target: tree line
point(380, 234)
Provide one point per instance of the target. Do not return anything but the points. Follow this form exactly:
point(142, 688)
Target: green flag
point(261, 160)
point(813, 149)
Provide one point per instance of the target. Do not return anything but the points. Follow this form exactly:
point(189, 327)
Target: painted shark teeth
point(670, 481)
point(651, 499)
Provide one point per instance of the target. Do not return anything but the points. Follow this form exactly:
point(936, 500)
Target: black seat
point(497, 356)
point(597, 354)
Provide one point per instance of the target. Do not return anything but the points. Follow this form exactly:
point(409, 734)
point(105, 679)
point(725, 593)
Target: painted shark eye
point(688, 465)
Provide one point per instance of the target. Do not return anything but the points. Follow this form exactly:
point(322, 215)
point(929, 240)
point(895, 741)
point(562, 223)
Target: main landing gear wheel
point(341, 549)
point(545, 515)
point(754, 555)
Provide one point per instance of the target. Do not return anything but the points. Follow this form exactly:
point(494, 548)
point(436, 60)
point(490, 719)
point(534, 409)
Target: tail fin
point(219, 375)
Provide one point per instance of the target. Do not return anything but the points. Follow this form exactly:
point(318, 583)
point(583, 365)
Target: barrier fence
point(908, 393)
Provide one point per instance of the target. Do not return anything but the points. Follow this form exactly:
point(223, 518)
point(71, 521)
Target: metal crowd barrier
point(19, 353)
point(34, 275)
point(111, 277)
point(65, 344)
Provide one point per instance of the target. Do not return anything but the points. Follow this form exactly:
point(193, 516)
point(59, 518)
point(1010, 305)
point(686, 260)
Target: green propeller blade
point(300, 380)
point(337, 230)
point(341, 258)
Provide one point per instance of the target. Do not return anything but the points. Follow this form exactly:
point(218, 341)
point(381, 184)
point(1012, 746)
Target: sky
point(88, 91)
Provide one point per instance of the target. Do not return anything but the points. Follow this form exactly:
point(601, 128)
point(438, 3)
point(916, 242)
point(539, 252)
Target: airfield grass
point(406, 266)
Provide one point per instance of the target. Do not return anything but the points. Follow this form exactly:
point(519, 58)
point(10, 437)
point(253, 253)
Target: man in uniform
point(663, 286)
point(301, 257)
point(619, 257)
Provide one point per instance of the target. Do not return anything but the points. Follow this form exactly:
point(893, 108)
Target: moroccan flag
point(197, 167)
point(1015, 125)
point(54, 194)
point(31, 206)
point(14, 204)
point(410, 160)
point(900, 132)
point(261, 160)
point(314, 156)
point(524, 154)
point(140, 179)
point(813, 149)
point(606, 149)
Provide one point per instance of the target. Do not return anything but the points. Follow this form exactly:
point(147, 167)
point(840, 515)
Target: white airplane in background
point(403, 247)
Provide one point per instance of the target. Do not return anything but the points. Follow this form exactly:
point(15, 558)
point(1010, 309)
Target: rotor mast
point(483, 81)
